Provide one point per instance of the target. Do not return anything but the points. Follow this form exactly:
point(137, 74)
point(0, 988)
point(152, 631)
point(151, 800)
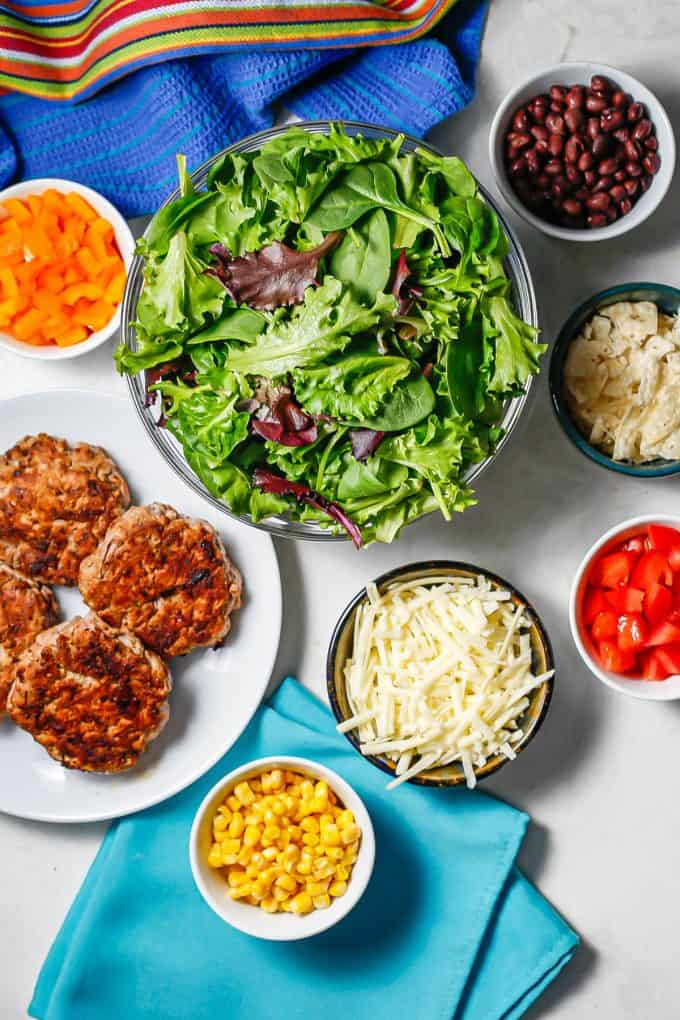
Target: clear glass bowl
point(170, 449)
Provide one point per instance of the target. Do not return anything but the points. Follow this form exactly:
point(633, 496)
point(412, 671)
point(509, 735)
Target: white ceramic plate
point(215, 693)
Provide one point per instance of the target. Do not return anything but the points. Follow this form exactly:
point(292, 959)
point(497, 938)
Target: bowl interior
point(341, 648)
point(248, 918)
point(575, 73)
point(668, 300)
point(171, 450)
point(647, 690)
point(126, 246)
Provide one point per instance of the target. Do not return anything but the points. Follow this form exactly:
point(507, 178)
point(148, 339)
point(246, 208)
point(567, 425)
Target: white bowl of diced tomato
point(64, 256)
point(625, 608)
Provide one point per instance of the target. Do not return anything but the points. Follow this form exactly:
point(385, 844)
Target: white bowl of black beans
point(582, 151)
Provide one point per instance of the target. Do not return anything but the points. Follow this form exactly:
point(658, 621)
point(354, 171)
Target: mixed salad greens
point(329, 332)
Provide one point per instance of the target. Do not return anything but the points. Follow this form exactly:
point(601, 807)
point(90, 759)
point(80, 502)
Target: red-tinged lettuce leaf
point(271, 277)
point(280, 419)
point(404, 293)
point(276, 433)
point(364, 442)
point(267, 481)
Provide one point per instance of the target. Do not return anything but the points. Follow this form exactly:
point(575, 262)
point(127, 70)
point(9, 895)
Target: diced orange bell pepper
point(27, 323)
point(75, 335)
point(80, 206)
point(88, 263)
point(17, 210)
point(47, 302)
point(9, 286)
point(103, 228)
point(91, 291)
point(115, 289)
point(35, 205)
point(37, 242)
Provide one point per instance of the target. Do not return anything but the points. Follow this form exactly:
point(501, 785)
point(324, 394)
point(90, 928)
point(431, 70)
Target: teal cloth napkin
point(448, 927)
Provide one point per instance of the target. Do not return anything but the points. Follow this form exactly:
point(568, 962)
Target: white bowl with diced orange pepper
point(282, 848)
point(64, 256)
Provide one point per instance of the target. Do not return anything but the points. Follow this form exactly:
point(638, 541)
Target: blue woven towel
point(447, 927)
point(123, 141)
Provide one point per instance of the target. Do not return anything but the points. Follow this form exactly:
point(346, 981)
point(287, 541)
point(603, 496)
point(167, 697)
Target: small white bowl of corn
point(282, 848)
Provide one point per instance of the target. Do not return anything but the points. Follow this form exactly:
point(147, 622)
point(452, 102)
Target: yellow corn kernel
point(319, 850)
point(295, 833)
point(350, 854)
point(270, 853)
point(279, 894)
point(326, 819)
point(342, 873)
point(266, 782)
point(291, 804)
point(304, 867)
point(219, 837)
point(279, 807)
point(236, 825)
point(323, 870)
point(317, 888)
point(236, 878)
point(215, 857)
point(321, 902)
point(337, 888)
point(252, 871)
point(276, 779)
point(269, 905)
point(244, 793)
point(244, 855)
point(330, 834)
point(252, 818)
point(234, 803)
point(321, 789)
point(240, 892)
point(261, 888)
point(251, 836)
point(319, 804)
point(302, 903)
point(271, 832)
point(220, 823)
point(350, 834)
point(286, 882)
point(255, 785)
point(309, 825)
point(230, 846)
point(344, 818)
point(310, 839)
point(334, 853)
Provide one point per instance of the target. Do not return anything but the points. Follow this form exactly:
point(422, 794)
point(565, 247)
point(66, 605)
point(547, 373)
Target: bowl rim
point(632, 687)
point(358, 880)
point(499, 761)
point(126, 246)
point(520, 279)
point(590, 306)
point(656, 192)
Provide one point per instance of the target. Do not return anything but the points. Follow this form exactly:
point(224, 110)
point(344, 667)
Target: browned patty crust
point(26, 608)
point(92, 695)
point(165, 577)
point(56, 502)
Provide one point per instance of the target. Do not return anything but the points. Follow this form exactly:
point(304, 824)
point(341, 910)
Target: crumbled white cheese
point(441, 670)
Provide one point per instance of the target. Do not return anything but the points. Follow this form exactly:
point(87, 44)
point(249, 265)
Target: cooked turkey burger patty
point(165, 577)
point(26, 608)
point(56, 502)
point(92, 695)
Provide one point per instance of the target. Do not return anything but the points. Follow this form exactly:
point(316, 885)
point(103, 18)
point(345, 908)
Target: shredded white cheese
point(441, 670)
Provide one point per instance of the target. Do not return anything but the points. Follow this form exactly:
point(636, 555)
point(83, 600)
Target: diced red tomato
point(669, 657)
point(632, 632)
point(652, 667)
point(674, 558)
point(650, 568)
point(605, 625)
point(665, 634)
point(657, 605)
point(612, 570)
point(625, 600)
point(636, 546)
point(593, 603)
point(662, 538)
point(614, 659)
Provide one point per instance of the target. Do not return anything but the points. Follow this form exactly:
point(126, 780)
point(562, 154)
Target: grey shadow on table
point(289, 654)
point(577, 972)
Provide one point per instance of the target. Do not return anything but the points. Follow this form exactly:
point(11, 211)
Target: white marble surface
point(600, 780)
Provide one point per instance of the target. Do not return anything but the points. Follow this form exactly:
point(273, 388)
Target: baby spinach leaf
point(463, 359)
point(371, 479)
point(242, 324)
point(410, 402)
point(363, 260)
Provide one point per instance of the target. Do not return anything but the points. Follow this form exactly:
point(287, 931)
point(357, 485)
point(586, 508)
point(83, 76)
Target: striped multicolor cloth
point(65, 49)
point(123, 140)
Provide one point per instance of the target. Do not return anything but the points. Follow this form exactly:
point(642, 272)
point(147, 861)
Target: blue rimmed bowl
point(668, 300)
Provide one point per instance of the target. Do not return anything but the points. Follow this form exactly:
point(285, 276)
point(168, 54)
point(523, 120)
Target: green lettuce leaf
point(352, 388)
point(517, 355)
